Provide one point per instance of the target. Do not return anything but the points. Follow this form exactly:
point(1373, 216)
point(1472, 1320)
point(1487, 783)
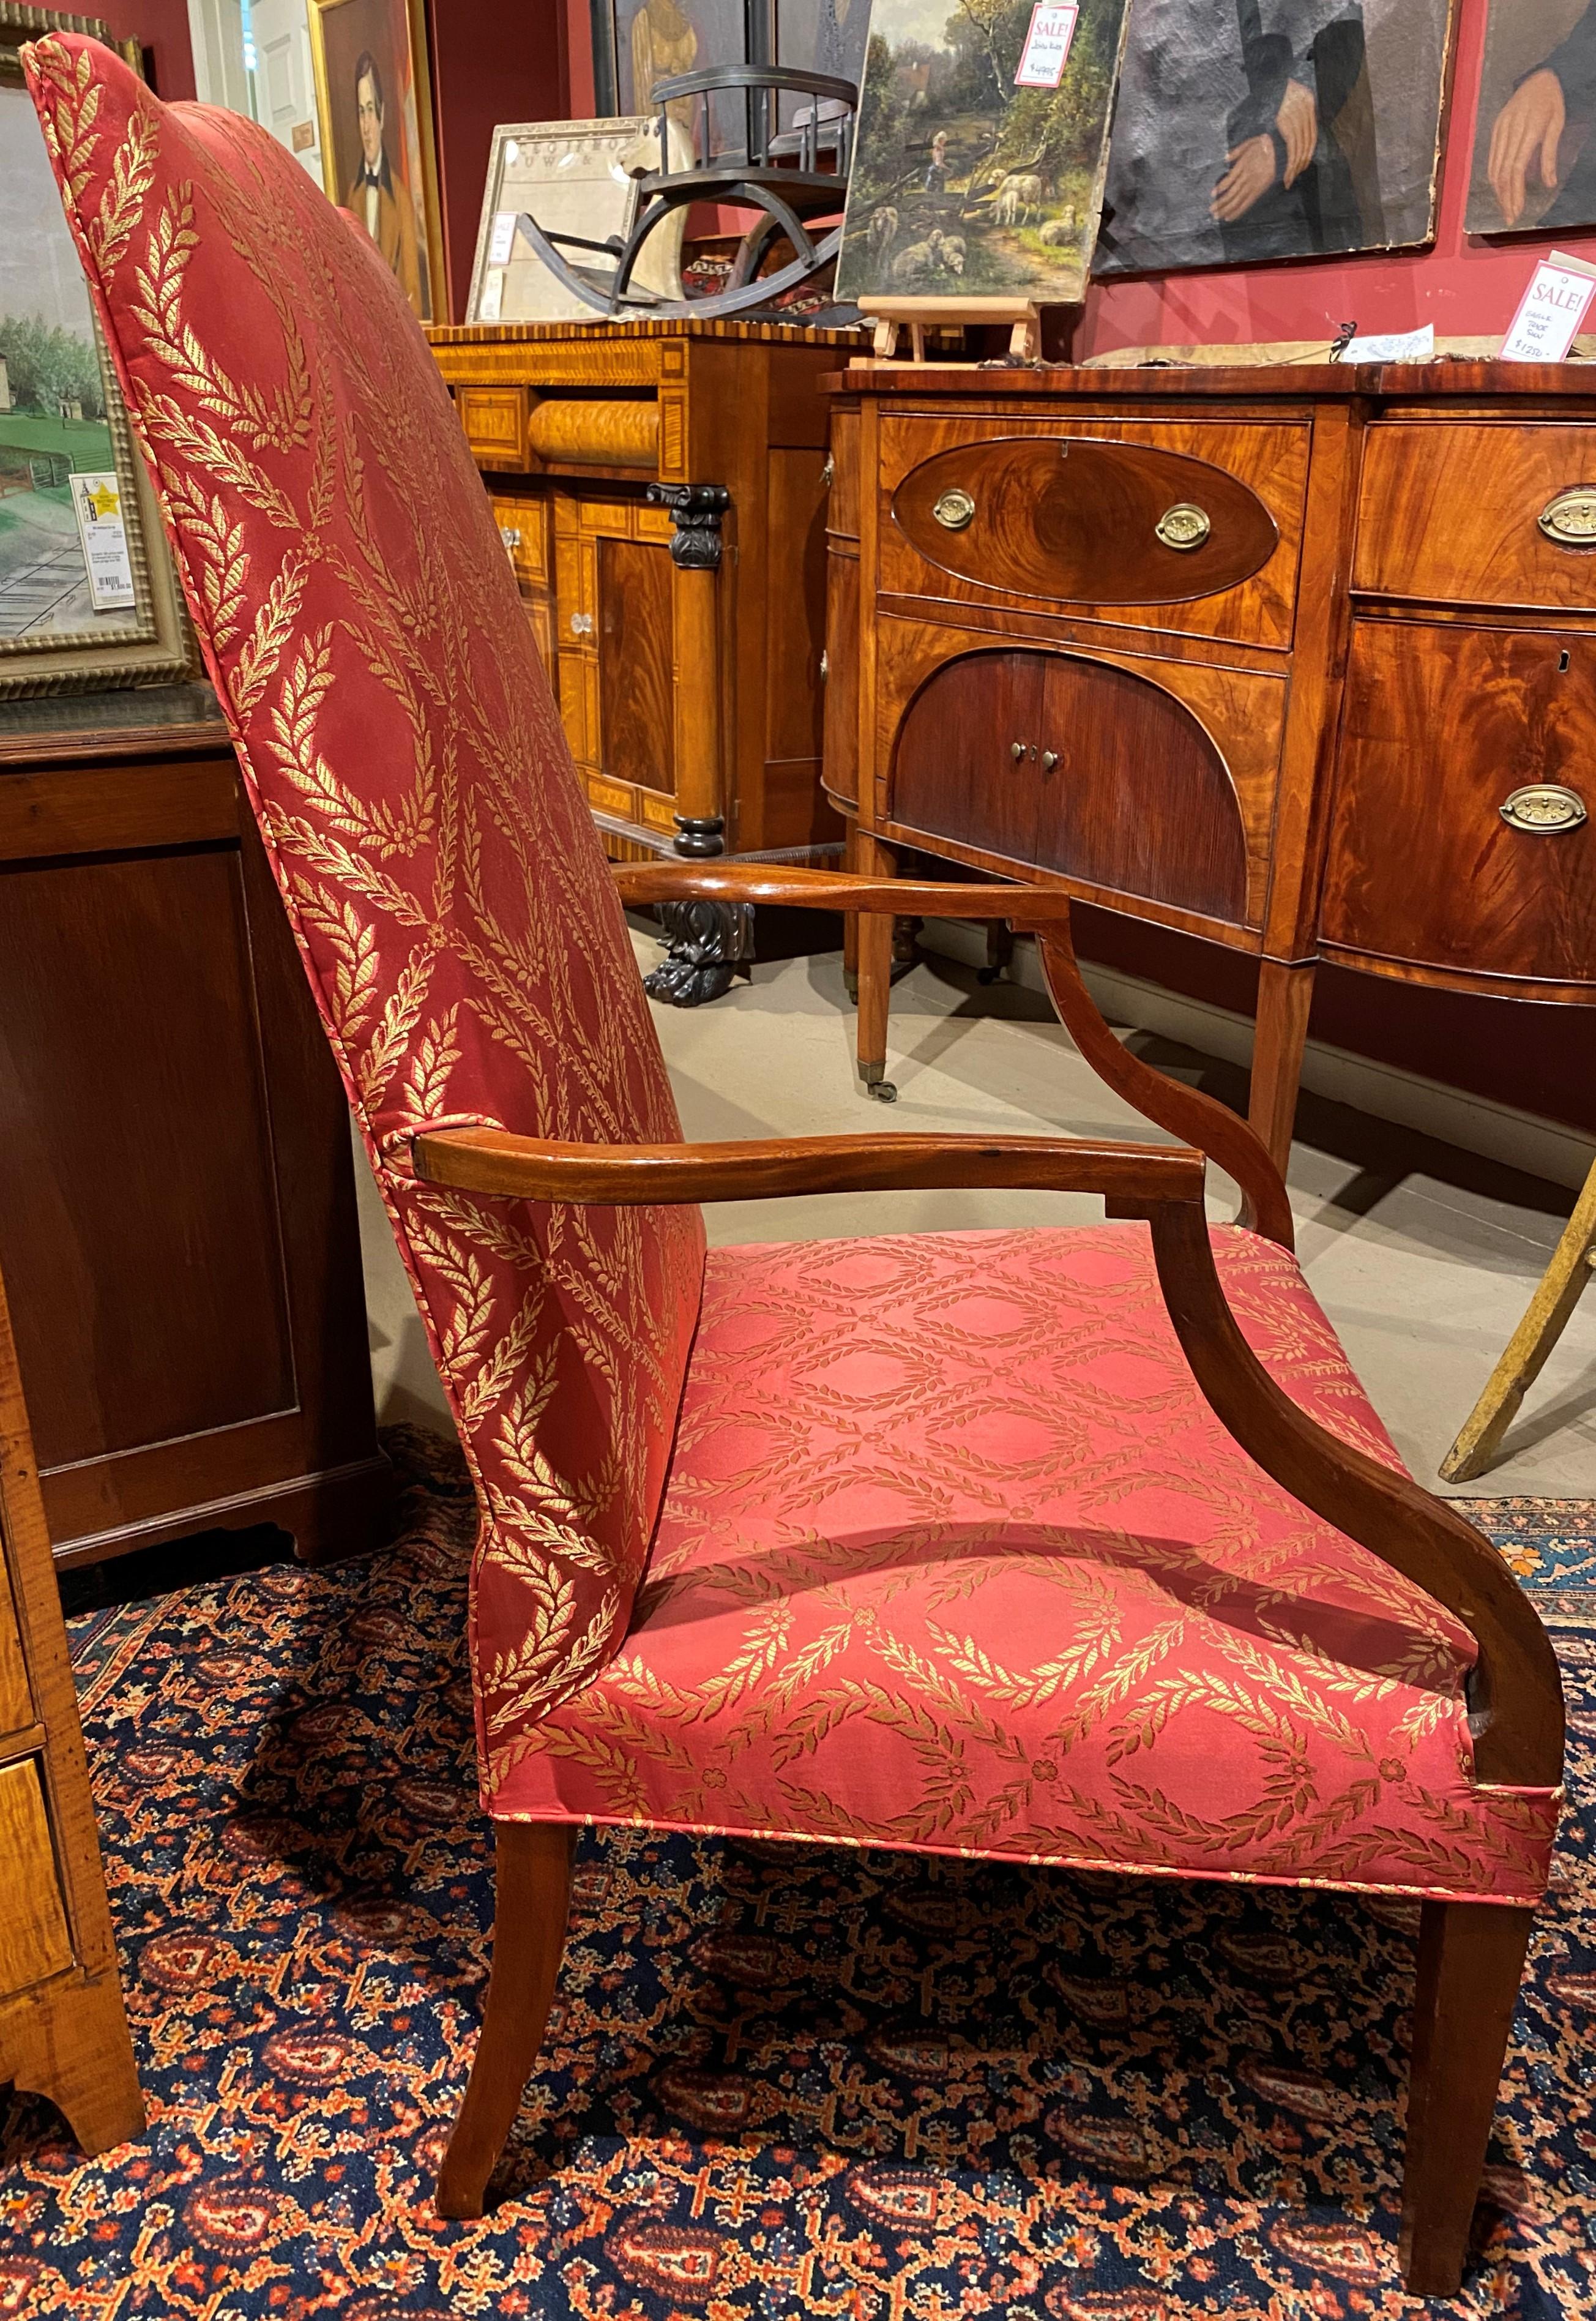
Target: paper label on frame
point(501, 239)
point(1551, 310)
point(1047, 43)
point(96, 503)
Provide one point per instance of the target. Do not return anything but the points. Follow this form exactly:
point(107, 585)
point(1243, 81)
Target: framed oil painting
point(982, 139)
point(574, 177)
point(87, 594)
point(637, 42)
point(1535, 153)
point(1251, 129)
point(375, 106)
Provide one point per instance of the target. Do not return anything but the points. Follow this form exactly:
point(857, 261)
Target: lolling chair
point(1078, 1546)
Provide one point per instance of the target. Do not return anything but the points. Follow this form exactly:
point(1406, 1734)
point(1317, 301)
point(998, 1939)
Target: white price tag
point(501, 240)
point(96, 502)
point(1394, 346)
point(1551, 311)
point(1047, 44)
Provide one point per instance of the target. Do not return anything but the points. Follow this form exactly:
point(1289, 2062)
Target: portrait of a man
point(1251, 130)
point(1534, 158)
point(390, 223)
point(376, 120)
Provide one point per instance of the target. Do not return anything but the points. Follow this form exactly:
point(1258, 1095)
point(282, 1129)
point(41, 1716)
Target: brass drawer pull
point(825, 668)
point(1543, 809)
point(1017, 750)
point(829, 472)
point(1049, 759)
point(581, 625)
point(953, 509)
point(1570, 519)
point(1185, 526)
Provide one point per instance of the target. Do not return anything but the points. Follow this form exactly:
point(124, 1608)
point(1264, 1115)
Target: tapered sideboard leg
point(1285, 994)
point(872, 859)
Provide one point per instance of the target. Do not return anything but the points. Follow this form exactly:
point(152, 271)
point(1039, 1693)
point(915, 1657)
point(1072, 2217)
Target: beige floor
point(1423, 1256)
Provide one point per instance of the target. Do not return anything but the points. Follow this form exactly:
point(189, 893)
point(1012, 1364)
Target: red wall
point(1466, 287)
point(162, 25)
point(495, 60)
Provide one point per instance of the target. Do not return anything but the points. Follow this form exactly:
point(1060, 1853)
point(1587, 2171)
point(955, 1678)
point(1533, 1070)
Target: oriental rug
point(781, 2081)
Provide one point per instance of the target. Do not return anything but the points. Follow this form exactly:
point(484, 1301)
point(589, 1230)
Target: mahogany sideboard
point(177, 1225)
point(660, 489)
point(1299, 660)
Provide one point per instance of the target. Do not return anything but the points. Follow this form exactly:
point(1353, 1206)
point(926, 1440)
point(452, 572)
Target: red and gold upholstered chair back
point(450, 901)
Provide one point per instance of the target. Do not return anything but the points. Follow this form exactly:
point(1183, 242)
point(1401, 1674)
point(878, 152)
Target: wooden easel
point(1550, 1313)
point(892, 316)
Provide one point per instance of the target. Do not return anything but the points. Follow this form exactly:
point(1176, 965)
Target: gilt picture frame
point(88, 596)
point(374, 107)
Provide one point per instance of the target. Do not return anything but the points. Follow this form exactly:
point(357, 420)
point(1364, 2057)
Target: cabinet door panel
point(956, 773)
point(138, 1153)
point(636, 712)
point(1137, 798)
point(1441, 726)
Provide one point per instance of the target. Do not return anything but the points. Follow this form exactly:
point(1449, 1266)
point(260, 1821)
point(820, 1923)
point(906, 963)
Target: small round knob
point(581, 625)
point(1570, 519)
point(829, 471)
point(1543, 809)
point(825, 668)
point(955, 510)
point(1185, 526)
point(1017, 750)
point(1049, 759)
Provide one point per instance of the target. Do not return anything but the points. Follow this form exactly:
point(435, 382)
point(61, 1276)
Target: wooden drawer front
point(1441, 726)
point(1094, 769)
point(33, 1938)
point(1451, 513)
point(16, 1706)
point(523, 527)
point(1178, 526)
point(494, 419)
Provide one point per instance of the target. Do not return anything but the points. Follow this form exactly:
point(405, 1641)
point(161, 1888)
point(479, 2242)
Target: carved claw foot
point(708, 943)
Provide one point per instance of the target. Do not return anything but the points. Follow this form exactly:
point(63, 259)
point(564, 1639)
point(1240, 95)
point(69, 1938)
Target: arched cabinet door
point(1078, 766)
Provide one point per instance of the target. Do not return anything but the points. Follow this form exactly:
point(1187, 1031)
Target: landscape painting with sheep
point(981, 148)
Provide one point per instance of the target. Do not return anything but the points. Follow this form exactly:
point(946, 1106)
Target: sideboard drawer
point(1444, 727)
point(1471, 513)
point(494, 419)
point(1181, 525)
point(523, 526)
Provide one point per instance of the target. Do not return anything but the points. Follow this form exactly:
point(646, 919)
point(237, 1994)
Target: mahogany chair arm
point(1515, 1694)
point(733, 881)
point(621, 1175)
point(1197, 1119)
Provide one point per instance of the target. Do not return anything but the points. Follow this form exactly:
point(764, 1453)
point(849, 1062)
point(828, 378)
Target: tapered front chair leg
point(1470, 1957)
point(534, 1891)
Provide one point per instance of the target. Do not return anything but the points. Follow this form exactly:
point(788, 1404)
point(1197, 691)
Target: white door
point(284, 83)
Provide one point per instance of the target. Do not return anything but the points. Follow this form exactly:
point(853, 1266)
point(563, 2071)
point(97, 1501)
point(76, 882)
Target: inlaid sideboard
point(1299, 660)
point(660, 489)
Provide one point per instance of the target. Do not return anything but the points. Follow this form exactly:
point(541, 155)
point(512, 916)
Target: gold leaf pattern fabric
point(954, 1555)
point(394, 728)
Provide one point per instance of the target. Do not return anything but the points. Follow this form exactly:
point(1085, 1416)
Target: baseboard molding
point(1474, 1123)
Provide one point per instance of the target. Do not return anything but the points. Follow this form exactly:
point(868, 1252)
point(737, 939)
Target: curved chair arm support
point(492, 1160)
point(1515, 1693)
point(1185, 1112)
point(1042, 910)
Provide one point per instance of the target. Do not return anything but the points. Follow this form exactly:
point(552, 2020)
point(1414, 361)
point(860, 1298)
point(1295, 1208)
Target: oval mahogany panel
point(1077, 519)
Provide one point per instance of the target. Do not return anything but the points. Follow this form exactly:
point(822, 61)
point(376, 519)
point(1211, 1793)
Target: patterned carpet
point(783, 2083)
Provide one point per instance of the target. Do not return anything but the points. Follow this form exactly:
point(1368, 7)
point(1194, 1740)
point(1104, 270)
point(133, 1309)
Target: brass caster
point(850, 984)
point(884, 1091)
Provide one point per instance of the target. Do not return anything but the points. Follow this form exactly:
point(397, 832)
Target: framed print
point(87, 594)
point(1535, 156)
point(982, 143)
point(374, 106)
point(1251, 129)
point(574, 177)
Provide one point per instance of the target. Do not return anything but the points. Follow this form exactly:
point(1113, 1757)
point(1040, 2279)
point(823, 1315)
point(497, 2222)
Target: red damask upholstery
point(954, 1555)
point(949, 1552)
point(436, 857)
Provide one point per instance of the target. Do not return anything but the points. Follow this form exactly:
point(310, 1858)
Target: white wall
point(284, 93)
